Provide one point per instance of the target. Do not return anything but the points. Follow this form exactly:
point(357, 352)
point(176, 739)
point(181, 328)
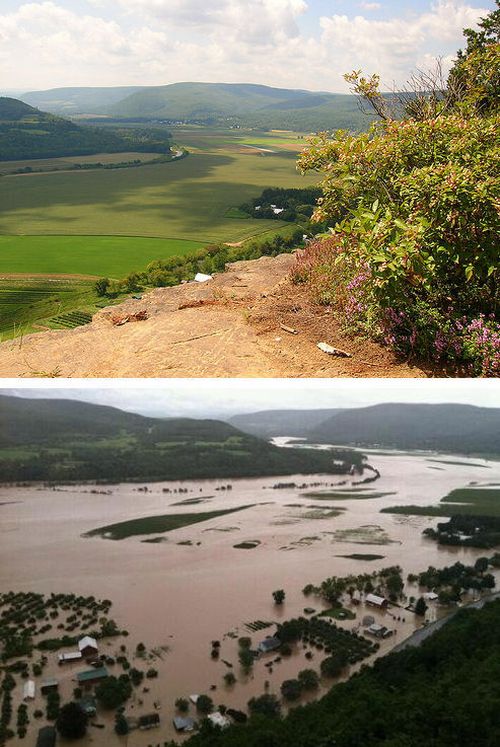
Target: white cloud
point(48, 43)
point(370, 6)
point(395, 47)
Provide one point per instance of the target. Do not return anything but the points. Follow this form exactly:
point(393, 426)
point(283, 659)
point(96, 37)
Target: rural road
point(417, 638)
point(229, 326)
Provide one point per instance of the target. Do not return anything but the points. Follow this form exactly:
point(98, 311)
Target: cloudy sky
point(291, 43)
point(222, 397)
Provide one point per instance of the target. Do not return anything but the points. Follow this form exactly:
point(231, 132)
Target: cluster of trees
point(442, 693)
point(210, 259)
point(195, 456)
point(297, 204)
point(467, 531)
point(413, 258)
point(386, 582)
point(452, 581)
point(306, 680)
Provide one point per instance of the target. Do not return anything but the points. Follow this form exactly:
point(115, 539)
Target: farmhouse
point(87, 647)
point(29, 690)
point(149, 721)
point(70, 657)
point(271, 643)
point(46, 737)
point(91, 676)
point(376, 601)
point(49, 686)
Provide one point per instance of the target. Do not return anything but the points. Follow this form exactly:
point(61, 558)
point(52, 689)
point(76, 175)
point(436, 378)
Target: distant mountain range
point(270, 423)
point(28, 133)
point(461, 429)
point(238, 103)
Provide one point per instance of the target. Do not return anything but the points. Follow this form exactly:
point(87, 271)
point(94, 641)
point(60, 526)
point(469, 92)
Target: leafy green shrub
point(413, 259)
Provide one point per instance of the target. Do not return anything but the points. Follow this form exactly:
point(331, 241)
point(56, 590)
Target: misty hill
point(28, 133)
point(243, 103)
point(269, 423)
point(63, 440)
point(32, 421)
point(69, 101)
point(447, 427)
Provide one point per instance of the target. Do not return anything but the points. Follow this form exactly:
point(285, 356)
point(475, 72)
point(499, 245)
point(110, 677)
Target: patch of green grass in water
point(156, 524)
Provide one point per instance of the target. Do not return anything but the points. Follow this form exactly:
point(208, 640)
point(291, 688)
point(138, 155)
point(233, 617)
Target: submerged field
point(212, 579)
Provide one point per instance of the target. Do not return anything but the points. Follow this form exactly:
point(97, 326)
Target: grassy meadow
point(113, 256)
point(188, 199)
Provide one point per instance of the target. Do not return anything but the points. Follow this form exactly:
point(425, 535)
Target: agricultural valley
point(81, 200)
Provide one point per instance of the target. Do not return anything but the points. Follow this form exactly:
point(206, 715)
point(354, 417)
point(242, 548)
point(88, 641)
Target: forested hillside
point(211, 103)
point(443, 694)
point(27, 133)
point(67, 440)
point(456, 428)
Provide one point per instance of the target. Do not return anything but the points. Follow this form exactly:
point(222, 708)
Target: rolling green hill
point(238, 103)
point(64, 440)
point(28, 133)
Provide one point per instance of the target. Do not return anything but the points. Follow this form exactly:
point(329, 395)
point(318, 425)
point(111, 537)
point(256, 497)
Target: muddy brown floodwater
point(183, 596)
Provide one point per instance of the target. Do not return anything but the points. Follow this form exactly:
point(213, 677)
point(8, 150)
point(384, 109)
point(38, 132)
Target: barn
point(88, 648)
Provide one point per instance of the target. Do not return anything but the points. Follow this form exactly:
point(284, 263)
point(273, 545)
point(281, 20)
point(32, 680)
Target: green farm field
point(110, 256)
point(187, 199)
point(33, 304)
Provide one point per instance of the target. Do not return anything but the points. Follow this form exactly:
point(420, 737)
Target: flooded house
point(69, 658)
point(375, 601)
point(149, 721)
point(49, 685)
point(183, 723)
point(271, 643)
point(87, 647)
point(29, 690)
point(90, 677)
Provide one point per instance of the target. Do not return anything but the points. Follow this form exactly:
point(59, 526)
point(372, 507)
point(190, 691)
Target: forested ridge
point(27, 133)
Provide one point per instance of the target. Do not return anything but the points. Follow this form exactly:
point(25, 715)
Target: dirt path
point(227, 327)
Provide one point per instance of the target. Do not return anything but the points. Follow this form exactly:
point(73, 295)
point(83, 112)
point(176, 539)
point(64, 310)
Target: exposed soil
point(227, 327)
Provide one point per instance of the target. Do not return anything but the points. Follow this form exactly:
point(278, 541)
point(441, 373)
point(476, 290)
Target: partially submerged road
point(236, 325)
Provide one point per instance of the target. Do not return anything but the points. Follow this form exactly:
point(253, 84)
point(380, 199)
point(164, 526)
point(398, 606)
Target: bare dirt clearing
point(231, 326)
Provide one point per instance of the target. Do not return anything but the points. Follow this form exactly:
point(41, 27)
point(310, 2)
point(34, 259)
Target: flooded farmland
point(193, 587)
